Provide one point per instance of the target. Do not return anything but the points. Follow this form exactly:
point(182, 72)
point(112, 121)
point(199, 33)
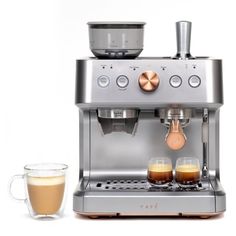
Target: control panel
point(151, 80)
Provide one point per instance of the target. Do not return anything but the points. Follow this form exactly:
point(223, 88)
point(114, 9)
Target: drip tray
point(142, 186)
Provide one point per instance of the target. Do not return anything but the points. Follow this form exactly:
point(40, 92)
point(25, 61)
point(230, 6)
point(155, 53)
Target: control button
point(103, 81)
point(149, 81)
point(175, 81)
point(194, 81)
point(122, 81)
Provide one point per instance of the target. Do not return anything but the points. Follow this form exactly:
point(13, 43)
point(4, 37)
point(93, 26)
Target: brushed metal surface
point(156, 203)
point(119, 153)
point(118, 113)
point(123, 156)
point(208, 94)
point(183, 35)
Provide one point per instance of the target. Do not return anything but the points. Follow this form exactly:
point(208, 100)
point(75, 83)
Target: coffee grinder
point(127, 105)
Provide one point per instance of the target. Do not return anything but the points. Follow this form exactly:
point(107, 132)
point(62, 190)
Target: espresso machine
point(126, 107)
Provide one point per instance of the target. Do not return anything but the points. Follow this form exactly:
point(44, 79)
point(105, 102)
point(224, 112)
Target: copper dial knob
point(149, 81)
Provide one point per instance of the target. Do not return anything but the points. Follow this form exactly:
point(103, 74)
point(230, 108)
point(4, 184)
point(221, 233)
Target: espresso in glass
point(187, 172)
point(160, 171)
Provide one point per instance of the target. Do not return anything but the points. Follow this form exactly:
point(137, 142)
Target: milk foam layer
point(160, 167)
point(46, 181)
point(188, 168)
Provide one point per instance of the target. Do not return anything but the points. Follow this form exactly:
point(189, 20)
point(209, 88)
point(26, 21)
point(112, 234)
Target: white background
point(39, 43)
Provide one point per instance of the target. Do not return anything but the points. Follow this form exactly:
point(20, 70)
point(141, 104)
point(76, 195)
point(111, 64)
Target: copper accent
point(175, 139)
point(202, 215)
point(149, 81)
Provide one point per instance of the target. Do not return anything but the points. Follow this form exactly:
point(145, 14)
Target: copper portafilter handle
point(175, 138)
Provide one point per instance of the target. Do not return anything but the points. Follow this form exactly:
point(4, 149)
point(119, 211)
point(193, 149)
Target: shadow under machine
point(127, 105)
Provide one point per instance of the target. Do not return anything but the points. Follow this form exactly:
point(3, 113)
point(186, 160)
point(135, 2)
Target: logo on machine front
point(149, 206)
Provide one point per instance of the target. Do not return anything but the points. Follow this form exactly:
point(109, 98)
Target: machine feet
point(205, 217)
point(93, 217)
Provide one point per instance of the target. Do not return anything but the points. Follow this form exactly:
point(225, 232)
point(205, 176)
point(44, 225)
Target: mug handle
point(15, 177)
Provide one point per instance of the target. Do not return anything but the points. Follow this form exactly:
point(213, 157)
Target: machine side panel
point(84, 144)
point(214, 144)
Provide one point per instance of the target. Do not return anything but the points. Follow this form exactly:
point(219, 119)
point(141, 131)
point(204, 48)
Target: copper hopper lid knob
point(175, 139)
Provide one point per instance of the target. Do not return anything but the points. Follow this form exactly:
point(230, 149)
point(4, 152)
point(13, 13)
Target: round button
point(103, 81)
point(149, 81)
point(175, 81)
point(194, 81)
point(122, 81)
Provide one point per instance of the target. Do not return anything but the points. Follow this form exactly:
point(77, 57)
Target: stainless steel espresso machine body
point(125, 111)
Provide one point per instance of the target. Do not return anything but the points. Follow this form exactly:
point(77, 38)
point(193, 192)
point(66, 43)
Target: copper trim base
point(203, 215)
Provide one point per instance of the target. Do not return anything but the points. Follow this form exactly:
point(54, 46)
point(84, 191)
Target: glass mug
point(160, 171)
point(45, 186)
point(187, 172)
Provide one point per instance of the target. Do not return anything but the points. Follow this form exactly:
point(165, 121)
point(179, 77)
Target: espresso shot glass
point(45, 187)
point(160, 171)
point(187, 172)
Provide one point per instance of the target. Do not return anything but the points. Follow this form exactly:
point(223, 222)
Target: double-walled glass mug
point(45, 186)
point(187, 171)
point(160, 171)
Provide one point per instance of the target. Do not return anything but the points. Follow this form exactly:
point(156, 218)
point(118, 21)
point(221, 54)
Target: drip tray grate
point(141, 185)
